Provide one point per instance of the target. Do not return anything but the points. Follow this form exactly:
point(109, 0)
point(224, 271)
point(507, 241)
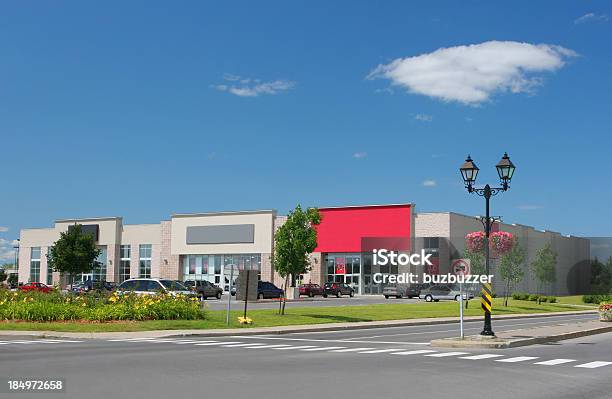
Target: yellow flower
point(84, 304)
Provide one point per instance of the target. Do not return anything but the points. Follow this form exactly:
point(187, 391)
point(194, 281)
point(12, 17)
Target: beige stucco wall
point(262, 220)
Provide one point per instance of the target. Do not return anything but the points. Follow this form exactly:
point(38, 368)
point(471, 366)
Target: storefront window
point(216, 268)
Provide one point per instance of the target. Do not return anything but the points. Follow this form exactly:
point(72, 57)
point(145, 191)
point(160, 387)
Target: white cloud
point(471, 74)
point(3, 229)
point(591, 17)
point(246, 87)
point(423, 117)
point(360, 155)
point(430, 183)
point(529, 207)
point(7, 253)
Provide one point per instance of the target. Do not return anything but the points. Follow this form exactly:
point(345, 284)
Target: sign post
point(229, 296)
point(461, 267)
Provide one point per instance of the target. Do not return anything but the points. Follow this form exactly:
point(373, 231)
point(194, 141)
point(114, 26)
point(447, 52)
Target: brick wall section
point(169, 264)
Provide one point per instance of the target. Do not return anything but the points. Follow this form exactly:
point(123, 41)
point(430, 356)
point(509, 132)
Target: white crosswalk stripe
point(295, 347)
point(239, 345)
point(351, 350)
point(380, 351)
point(216, 343)
point(266, 346)
point(325, 348)
point(517, 359)
point(593, 365)
point(446, 354)
point(416, 352)
point(554, 362)
point(479, 357)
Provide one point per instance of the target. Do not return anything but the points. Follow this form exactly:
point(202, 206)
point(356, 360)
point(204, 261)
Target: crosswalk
point(397, 351)
point(38, 341)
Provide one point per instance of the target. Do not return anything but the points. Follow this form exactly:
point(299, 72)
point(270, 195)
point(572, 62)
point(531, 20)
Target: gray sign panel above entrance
point(221, 234)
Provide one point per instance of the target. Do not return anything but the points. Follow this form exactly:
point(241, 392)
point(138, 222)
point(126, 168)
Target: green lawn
point(574, 300)
point(302, 315)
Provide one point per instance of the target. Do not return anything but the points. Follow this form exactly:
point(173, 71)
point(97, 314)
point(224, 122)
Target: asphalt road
point(374, 363)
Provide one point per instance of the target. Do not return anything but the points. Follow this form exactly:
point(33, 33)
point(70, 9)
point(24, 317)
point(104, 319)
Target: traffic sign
point(461, 267)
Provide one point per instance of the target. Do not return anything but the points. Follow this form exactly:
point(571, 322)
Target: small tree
point(544, 266)
point(75, 252)
point(3, 276)
point(511, 267)
point(601, 276)
point(293, 242)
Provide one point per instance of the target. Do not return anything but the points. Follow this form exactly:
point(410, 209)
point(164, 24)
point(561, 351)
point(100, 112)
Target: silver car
point(152, 286)
point(437, 292)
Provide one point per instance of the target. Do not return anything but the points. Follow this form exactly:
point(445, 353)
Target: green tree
point(544, 266)
point(601, 276)
point(293, 242)
point(477, 261)
point(75, 252)
point(511, 268)
point(3, 275)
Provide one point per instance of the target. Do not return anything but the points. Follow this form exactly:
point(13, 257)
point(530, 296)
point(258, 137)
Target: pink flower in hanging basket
point(475, 241)
point(501, 242)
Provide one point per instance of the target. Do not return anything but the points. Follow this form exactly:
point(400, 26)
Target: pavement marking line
point(554, 362)
point(295, 347)
point(217, 343)
point(324, 348)
point(239, 345)
point(188, 342)
point(447, 354)
point(593, 365)
point(419, 352)
point(380, 351)
point(479, 357)
point(517, 359)
point(128, 339)
point(23, 342)
point(265, 346)
point(329, 340)
point(351, 350)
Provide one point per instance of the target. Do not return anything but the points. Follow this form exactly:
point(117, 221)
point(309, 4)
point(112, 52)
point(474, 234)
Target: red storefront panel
point(356, 229)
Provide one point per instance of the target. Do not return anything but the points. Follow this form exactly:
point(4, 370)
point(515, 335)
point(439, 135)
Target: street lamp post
point(469, 171)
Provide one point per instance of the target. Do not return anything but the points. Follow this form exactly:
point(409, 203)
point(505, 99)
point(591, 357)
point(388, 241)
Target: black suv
point(205, 289)
point(339, 289)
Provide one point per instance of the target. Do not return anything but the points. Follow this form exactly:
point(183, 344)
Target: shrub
point(534, 297)
point(596, 299)
point(605, 311)
point(552, 299)
point(522, 296)
point(55, 306)
point(543, 298)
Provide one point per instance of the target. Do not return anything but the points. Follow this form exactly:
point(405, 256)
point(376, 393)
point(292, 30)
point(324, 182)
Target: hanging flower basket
point(605, 311)
point(475, 241)
point(501, 242)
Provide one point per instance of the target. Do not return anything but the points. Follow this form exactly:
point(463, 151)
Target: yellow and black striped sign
point(486, 302)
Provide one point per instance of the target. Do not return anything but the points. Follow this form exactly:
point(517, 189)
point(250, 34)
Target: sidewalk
point(279, 329)
point(527, 336)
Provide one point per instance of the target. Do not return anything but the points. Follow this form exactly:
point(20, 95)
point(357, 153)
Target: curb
point(283, 329)
point(515, 343)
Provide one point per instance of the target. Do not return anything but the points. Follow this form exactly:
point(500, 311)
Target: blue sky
point(142, 109)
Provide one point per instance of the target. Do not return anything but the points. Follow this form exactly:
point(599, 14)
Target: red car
point(40, 287)
point(312, 290)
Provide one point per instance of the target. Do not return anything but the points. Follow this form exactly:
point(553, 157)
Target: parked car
point(204, 289)
point(89, 285)
point(401, 290)
point(339, 289)
point(438, 292)
point(40, 287)
point(312, 290)
point(151, 286)
point(265, 289)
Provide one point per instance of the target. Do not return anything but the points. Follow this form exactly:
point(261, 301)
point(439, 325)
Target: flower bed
point(56, 306)
point(605, 311)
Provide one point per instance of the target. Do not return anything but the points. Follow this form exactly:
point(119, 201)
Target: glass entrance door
point(344, 268)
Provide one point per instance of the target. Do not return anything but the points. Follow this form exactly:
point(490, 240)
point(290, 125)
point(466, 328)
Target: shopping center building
point(207, 246)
